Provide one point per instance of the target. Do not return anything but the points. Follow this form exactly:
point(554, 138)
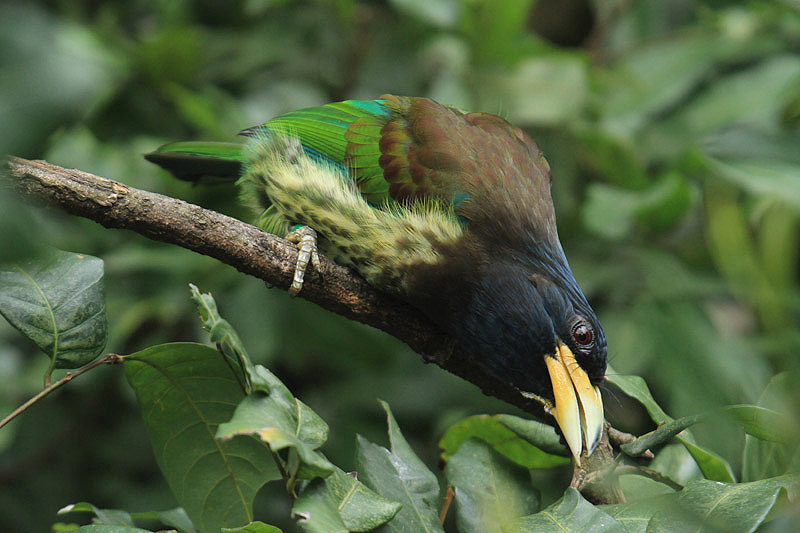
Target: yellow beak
point(578, 405)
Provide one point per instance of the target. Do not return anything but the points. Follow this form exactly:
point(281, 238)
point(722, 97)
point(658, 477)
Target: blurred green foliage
point(673, 132)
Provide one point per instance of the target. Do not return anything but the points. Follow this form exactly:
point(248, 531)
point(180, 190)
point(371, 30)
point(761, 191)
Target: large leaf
point(635, 516)
point(399, 475)
point(58, 302)
point(282, 421)
point(571, 513)
point(519, 440)
point(705, 506)
point(185, 391)
point(341, 503)
point(489, 490)
point(763, 423)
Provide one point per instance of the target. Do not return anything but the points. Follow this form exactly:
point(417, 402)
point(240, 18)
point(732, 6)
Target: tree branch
point(108, 359)
point(254, 252)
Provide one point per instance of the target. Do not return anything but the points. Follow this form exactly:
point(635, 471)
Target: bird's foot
point(306, 240)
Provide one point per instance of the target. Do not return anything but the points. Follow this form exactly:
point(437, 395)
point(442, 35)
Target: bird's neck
point(496, 313)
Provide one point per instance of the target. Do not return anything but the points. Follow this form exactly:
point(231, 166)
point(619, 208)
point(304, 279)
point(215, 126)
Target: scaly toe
point(306, 240)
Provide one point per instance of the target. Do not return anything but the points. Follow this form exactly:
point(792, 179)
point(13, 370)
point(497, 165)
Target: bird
point(448, 210)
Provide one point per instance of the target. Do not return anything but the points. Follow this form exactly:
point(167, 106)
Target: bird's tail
point(201, 162)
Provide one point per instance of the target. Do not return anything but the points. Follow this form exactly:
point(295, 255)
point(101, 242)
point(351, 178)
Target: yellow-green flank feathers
point(378, 243)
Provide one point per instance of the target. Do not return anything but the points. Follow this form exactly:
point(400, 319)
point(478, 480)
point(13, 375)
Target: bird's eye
point(582, 334)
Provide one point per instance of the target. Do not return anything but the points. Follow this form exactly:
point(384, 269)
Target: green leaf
point(764, 459)
point(489, 490)
point(114, 517)
point(635, 516)
point(341, 503)
point(399, 475)
point(763, 177)
point(665, 203)
point(310, 428)
point(609, 211)
point(69, 55)
point(222, 333)
point(732, 99)
point(571, 513)
point(712, 465)
point(443, 13)
point(545, 90)
point(100, 528)
point(58, 302)
point(542, 436)
point(613, 213)
point(709, 506)
point(497, 31)
point(614, 158)
point(636, 388)
point(764, 423)
point(653, 77)
point(522, 441)
point(749, 142)
point(185, 391)
point(253, 527)
point(176, 518)
point(272, 414)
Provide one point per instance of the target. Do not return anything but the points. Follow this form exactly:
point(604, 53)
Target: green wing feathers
point(203, 162)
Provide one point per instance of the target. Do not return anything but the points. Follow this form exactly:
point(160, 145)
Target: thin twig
point(618, 438)
point(448, 499)
point(108, 359)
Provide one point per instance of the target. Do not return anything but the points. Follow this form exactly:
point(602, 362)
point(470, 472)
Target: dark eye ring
point(582, 334)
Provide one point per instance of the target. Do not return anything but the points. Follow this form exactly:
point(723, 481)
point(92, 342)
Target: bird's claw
point(306, 240)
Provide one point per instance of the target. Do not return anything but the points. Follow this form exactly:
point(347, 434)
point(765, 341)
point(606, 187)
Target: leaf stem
point(448, 499)
point(108, 359)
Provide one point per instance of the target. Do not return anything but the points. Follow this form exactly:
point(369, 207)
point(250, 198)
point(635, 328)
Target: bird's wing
point(395, 148)
point(491, 172)
point(402, 150)
point(323, 131)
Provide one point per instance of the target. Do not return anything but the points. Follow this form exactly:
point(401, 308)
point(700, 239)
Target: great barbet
point(451, 212)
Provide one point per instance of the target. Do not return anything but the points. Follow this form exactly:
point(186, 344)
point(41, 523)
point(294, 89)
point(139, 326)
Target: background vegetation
point(673, 132)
